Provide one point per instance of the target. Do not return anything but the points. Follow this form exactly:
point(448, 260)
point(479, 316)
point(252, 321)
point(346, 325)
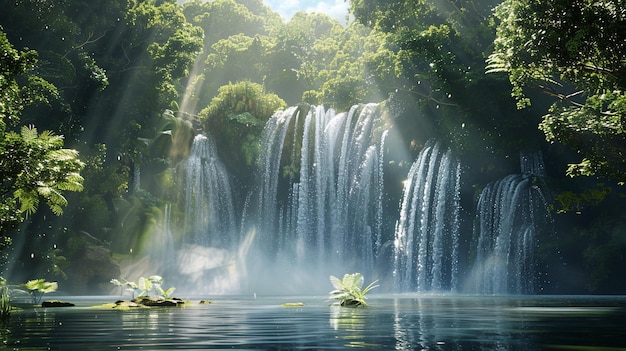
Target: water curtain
point(332, 167)
point(510, 214)
point(426, 244)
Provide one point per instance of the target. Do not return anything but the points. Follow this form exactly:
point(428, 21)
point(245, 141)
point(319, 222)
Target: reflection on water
point(406, 322)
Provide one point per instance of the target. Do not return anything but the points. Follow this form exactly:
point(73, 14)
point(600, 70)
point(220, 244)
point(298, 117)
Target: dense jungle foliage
point(105, 97)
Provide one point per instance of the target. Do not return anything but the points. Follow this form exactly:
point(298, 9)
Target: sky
point(337, 9)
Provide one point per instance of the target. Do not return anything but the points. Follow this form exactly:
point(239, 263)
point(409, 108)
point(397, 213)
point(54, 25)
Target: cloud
point(337, 9)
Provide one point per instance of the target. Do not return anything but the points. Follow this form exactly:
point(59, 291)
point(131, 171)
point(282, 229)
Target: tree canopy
point(34, 167)
point(575, 53)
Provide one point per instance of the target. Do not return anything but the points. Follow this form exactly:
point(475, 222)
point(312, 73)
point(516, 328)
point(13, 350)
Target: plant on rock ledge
point(350, 291)
point(144, 286)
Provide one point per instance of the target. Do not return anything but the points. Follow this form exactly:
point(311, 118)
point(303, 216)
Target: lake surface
point(390, 322)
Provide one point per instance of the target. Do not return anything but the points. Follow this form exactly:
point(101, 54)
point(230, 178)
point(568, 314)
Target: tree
point(235, 45)
point(238, 58)
point(34, 167)
point(64, 59)
point(433, 64)
point(115, 66)
point(236, 117)
point(573, 52)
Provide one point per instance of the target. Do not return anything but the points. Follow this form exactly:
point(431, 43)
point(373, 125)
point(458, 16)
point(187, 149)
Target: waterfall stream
point(427, 234)
point(319, 206)
point(335, 203)
point(509, 215)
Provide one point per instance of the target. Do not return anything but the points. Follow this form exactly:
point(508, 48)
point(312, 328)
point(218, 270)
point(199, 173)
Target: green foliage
point(5, 299)
point(38, 287)
point(576, 201)
point(145, 286)
point(238, 58)
point(574, 53)
point(49, 171)
point(314, 55)
point(235, 118)
point(350, 291)
point(432, 59)
point(235, 100)
point(34, 167)
point(601, 244)
point(222, 18)
point(13, 63)
point(58, 262)
point(235, 44)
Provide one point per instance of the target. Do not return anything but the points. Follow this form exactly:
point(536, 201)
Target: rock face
point(92, 271)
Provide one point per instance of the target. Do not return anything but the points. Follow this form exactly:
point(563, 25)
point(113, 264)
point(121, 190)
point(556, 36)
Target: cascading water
point(208, 260)
point(167, 250)
point(426, 240)
point(209, 211)
point(318, 209)
point(510, 214)
point(336, 203)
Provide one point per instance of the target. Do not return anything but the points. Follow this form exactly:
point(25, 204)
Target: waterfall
point(510, 214)
point(318, 209)
point(335, 202)
point(209, 211)
point(532, 163)
point(426, 240)
point(168, 250)
point(273, 138)
point(136, 177)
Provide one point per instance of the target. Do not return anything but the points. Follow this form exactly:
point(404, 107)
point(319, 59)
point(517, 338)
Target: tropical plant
point(144, 286)
point(34, 167)
point(350, 291)
point(57, 170)
point(38, 287)
point(157, 282)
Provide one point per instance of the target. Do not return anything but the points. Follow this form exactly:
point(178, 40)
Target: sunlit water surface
point(390, 322)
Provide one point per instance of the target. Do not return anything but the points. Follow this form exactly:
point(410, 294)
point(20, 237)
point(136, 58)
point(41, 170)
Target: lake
point(390, 322)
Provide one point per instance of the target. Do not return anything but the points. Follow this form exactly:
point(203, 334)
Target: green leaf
point(338, 284)
point(144, 284)
point(169, 292)
point(41, 285)
point(157, 279)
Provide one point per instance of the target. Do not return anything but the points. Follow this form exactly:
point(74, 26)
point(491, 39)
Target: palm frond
point(28, 201)
point(29, 133)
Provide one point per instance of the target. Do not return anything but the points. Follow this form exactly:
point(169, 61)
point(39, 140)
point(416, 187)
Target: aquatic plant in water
point(37, 287)
point(350, 291)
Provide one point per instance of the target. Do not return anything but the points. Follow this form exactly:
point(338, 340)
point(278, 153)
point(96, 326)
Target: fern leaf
point(28, 201)
point(29, 133)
